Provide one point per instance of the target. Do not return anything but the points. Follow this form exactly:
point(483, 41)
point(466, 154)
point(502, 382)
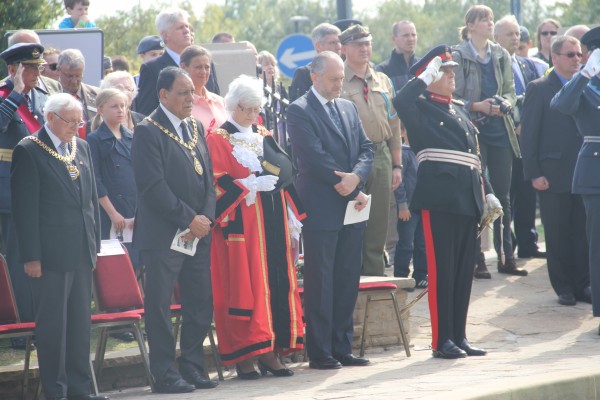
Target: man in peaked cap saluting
point(449, 195)
point(580, 98)
point(21, 104)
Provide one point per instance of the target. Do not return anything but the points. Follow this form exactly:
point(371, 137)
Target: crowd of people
point(440, 147)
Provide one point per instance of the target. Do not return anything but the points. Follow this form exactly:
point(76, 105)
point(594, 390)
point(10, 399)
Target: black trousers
point(63, 307)
point(450, 246)
point(163, 269)
point(332, 265)
point(563, 216)
point(524, 202)
point(592, 226)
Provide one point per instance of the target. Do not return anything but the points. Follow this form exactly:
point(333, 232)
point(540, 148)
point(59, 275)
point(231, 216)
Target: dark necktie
point(184, 132)
point(519, 88)
point(28, 101)
point(335, 117)
point(64, 150)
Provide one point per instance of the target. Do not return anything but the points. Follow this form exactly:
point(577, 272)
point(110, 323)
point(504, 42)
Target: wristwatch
point(397, 166)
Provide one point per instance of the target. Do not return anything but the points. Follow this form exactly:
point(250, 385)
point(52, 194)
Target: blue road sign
point(294, 51)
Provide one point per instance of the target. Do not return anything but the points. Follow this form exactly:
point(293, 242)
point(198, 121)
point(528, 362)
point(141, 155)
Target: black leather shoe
point(350, 360)
point(281, 372)
point(470, 350)
point(449, 350)
point(325, 363)
point(123, 336)
point(481, 271)
point(585, 295)
point(249, 376)
point(194, 377)
point(510, 267)
point(177, 386)
point(567, 299)
point(87, 397)
point(20, 343)
point(533, 254)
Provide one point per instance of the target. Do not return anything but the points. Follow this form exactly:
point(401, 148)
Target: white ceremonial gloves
point(492, 209)
point(592, 67)
point(263, 183)
point(432, 73)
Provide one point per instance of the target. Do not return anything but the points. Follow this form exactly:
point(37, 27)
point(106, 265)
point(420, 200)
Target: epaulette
point(222, 132)
point(458, 102)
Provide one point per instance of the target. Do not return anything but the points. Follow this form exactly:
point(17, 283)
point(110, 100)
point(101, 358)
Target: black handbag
point(275, 161)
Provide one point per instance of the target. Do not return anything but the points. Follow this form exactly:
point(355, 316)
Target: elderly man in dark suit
point(21, 114)
point(174, 179)
point(56, 215)
point(71, 65)
point(549, 145)
point(173, 27)
point(334, 159)
point(580, 98)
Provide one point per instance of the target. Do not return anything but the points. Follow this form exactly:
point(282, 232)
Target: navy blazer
point(12, 130)
point(301, 82)
point(549, 139)
point(581, 102)
point(114, 172)
point(147, 99)
point(320, 149)
point(169, 191)
point(57, 220)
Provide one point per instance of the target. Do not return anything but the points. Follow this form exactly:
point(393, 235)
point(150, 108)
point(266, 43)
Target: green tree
point(577, 12)
point(30, 14)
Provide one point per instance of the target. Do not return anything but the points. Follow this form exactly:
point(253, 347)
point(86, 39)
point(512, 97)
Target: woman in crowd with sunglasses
point(51, 56)
point(485, 82)
point(546, 30)
point(256, 302)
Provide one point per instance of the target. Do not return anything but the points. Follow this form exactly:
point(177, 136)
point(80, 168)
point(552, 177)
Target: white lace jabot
point(247, 147)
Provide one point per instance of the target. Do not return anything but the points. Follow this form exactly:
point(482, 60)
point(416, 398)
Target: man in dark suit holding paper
point(334, 160)
point(173, 175)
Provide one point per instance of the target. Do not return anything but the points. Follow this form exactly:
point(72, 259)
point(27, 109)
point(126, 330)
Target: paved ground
point(537, 350)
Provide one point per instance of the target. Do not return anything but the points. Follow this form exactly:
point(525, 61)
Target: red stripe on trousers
point(432, 276)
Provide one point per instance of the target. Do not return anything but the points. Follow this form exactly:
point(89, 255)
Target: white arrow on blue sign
point(294, 51)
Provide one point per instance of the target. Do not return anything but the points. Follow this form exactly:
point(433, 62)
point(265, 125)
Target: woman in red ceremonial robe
point(256, 300)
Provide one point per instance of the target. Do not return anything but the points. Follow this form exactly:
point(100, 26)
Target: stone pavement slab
point(538, 349)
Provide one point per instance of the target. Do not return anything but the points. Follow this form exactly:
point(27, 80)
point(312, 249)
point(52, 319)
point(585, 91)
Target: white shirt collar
point(243, 129)
point(176, 57)
point(321, 99)
point(55, 140)
point(175, 121)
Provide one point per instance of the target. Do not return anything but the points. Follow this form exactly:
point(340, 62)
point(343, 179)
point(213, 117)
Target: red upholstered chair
point(387, 293)
point(10, 325)
point(116, 287)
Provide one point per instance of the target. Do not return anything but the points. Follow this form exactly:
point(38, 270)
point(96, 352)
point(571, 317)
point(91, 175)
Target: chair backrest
point(115, 283)
point(8, 308)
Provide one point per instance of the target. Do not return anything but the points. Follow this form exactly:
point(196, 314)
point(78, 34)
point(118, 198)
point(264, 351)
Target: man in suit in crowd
point(325, 37)
point(334, 160)
point(372, 93)
point(173, 175)
point(580, 98)
point(549, 146)
point(21, 114)
point(56, 215)
point(71, 65)
point(174, 29)
point(49, 85)
point(522, 195)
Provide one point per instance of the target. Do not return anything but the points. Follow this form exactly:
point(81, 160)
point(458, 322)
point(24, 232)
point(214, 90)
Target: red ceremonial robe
point(257, 307)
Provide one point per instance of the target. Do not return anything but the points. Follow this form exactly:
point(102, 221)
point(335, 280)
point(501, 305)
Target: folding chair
point(10, 325)
point(116, 287)
point(389, 295)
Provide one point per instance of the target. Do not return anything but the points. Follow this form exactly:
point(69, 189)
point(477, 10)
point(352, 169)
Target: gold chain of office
point(68, 160)
point(189, 145)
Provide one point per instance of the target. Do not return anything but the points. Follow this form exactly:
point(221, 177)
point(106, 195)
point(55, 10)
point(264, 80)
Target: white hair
point(507, 19)
point(244, 88)
point(59, 102)
point(167, 18)
point(113, 80)
point(72, 58)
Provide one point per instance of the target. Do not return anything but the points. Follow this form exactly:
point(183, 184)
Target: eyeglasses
point(39, 67)
point(249, 110)
point(52, 66)
point(571, 54)
point(546, 33)
point(72, 124)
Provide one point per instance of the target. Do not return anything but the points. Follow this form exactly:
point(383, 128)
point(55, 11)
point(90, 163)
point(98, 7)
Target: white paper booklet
point(127, 234)
point(184, 246)
point(353, 216)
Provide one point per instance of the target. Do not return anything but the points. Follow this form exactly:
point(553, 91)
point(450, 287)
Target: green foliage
point(31, 14)
point(577, 12)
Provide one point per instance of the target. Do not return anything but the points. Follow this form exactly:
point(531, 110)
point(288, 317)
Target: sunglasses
point(570, 54)
point(52, 66)
point(546, 33)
